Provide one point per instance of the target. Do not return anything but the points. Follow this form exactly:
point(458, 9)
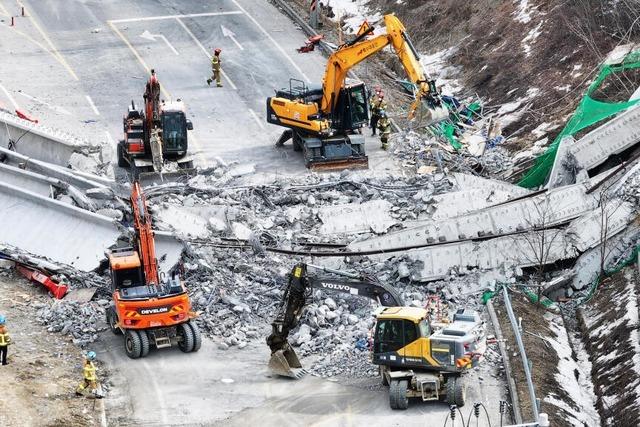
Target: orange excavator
point(147, 310)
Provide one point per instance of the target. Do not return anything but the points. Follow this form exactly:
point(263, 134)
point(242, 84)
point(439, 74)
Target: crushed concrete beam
point(593, 149)
point(468, 182)
point(80, 180)
point(39, 141)
point(543, 210)
point(54, 230)
point(168, 250)
point(353, 218)
point(27, 180)
point(456, 203)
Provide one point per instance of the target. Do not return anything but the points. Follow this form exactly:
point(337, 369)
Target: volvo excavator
point(418, 356)
point(155, 135)
point(148, 310)
point(325, 122)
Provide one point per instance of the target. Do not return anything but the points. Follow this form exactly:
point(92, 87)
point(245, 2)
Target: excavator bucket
point(427, 114)
point(286, 364)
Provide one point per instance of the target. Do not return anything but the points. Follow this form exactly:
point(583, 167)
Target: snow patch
point(436, 66)
point(530, 38)
point(523, 12)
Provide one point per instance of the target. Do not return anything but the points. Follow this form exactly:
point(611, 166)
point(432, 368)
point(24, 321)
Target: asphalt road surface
point(77, 64)
point(99, 53)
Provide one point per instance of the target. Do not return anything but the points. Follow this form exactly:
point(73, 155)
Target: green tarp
point(590, 111)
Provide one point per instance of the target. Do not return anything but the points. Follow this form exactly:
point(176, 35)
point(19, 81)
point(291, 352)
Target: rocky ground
point(44, 369)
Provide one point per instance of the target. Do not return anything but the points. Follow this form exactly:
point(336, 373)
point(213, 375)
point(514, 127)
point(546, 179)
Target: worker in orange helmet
point(215, 68)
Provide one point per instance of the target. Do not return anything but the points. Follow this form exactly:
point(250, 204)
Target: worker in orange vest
point(5, 340)
point(215, 68)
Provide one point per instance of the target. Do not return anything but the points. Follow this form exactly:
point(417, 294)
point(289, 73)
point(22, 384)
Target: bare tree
point(537, 245)
point(608, 205)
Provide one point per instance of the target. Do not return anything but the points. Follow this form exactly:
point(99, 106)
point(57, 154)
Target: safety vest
point(89, 371)
point(215, 63)
point(4, 338)
point(384, 125)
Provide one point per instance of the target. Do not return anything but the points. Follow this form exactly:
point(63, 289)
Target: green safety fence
point(532, 296)
point(631, 259)
point(590, 111)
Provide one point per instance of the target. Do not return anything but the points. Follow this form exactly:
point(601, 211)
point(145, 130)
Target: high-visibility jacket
point(4, 337)
point(215, 63)
point(89, 371)
point(384, 125)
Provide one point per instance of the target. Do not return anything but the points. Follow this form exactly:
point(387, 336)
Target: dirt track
point(44, 368)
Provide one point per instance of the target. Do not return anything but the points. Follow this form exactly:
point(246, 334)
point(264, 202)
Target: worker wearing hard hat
point(5, 340)
point(215, 68)
point(384, 125)
point(90, 378)
point(377, 106)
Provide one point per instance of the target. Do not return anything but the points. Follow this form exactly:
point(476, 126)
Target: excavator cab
point(126, 269)
point(351, 112)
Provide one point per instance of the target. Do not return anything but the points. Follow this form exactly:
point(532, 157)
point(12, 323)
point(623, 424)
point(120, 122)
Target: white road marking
point(50, 43)
point(56, 108)
point(191, 15)
point(9, 97)
point(110, 139)
point(103, 415)
point(147, 35)
point(228, 33)
point(195, 39)
point(273, 41)
point(93, 106)
point(255, 116)
point(162, 406)
point(162, 87)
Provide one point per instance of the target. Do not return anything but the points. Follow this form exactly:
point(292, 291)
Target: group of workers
point(90, 379)
point(379, 118)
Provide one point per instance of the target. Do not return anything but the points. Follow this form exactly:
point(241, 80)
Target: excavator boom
point(144, 234)
point(284, 361)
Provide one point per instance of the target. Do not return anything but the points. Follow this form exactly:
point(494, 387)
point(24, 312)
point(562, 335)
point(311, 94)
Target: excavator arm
point(350, 54)
point(284, 360)
point(144, 234)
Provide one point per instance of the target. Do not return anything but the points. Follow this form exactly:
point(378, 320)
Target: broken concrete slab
point(39, 141)
point(456, 203)
point(593, 149)
point(53, 230)
point(354, 218)
point(467, 182)
point(28, 180)
point(168, 250)
point(543, 210)
point(78, 179)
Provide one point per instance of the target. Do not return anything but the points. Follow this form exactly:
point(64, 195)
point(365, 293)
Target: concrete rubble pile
point(421, 153)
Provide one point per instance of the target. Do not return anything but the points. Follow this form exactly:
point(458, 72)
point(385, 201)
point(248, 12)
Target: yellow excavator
point(324, 122)
point(418, 356)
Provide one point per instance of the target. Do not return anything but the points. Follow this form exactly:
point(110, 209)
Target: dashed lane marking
point(9, 97)
point(93, 106)
point(266, 33)
point(255, 116)
point(190, 15)
point(195, 39)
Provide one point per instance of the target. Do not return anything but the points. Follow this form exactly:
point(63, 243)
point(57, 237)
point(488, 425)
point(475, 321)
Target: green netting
point(588, 112)
point(624, 263)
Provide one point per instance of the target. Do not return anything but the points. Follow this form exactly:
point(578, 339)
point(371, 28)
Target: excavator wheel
point(112, 320)
point(186, 338)
point(197, 336)
point(456, 391)
point(398, 394)
point(132, 344)
point(144, 340)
